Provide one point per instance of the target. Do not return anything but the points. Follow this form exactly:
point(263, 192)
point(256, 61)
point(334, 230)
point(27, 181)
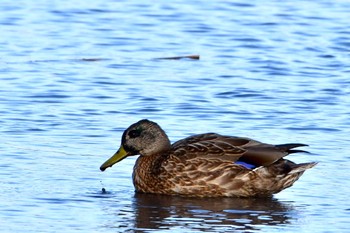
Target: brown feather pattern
point(205, 165)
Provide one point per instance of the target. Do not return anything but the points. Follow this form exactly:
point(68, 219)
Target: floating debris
point(194, 57)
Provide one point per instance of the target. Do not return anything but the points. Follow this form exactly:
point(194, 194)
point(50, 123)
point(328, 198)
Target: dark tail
point(289, 147)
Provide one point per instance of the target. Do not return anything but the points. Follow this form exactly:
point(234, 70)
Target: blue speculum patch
point(246, 165)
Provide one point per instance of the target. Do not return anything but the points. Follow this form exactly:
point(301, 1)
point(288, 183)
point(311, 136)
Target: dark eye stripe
point(134, 133)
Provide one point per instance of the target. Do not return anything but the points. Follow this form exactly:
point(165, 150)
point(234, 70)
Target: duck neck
point(147, 170)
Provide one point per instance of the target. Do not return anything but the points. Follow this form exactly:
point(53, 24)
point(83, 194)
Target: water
point(74, 75)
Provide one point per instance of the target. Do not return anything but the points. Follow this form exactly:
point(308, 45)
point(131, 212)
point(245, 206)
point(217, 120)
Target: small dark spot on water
point(326, 56)
point(103, 193)
point(103, 189)
point(36, 130)
point(93, 59)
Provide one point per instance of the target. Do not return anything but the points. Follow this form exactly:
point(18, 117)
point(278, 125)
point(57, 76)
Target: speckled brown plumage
point(206, 165)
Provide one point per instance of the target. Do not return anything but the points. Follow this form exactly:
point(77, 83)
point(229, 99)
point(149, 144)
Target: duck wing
point(209, 146)
point(230, 148)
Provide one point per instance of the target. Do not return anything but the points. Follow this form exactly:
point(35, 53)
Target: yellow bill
point(118, 156)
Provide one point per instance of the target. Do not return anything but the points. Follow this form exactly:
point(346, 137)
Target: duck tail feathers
point(290, 146)
point(301, 167)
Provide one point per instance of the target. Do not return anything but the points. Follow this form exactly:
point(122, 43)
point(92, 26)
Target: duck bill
point(117, 157)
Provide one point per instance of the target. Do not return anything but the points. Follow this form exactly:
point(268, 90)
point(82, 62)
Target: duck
point(206, 165)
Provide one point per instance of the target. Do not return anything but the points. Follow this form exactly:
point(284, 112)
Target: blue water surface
point(75, 74)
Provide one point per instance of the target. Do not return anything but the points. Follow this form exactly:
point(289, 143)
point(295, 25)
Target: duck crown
point(145, 137)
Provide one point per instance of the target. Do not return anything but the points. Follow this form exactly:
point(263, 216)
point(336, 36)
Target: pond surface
point(75, 74)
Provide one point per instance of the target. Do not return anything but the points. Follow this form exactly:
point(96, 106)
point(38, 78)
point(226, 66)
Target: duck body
point(206, 165)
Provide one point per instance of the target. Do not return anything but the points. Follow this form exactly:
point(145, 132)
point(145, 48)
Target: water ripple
point(74, 75)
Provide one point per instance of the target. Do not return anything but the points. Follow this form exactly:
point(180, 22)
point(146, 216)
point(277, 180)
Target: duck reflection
point(166, 212)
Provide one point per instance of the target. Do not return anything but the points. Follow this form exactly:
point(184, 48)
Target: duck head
point(143, 138)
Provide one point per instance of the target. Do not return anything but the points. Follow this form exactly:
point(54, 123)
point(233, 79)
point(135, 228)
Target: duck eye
point(134, 133)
